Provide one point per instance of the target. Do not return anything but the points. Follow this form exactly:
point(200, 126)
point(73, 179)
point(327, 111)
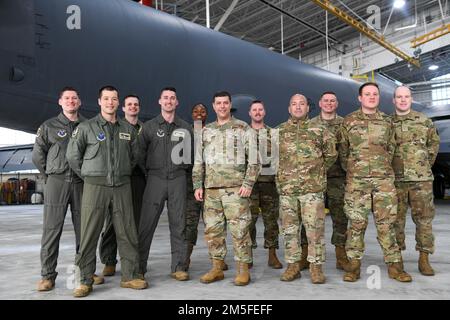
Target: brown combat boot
point(46, 285)
point(98, 279)
point(189, 253)
point(82, 291)
point(109, 270)
point(137, 284)
point(304, 263)
point(215, 274)
point(424, 265)
point(242, 274)
point(395, 271)
point(317, 276)
point(341, 258)
point(273, 260)
point(292, 272)
point(223, 265)
point(180, 275)
point(354, 270)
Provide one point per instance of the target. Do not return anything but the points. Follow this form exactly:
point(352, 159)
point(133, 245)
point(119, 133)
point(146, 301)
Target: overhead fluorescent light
point(399, 4)
point(433, 67)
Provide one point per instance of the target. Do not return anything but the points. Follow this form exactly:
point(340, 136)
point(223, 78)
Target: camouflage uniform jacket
point(265, 153)
point(307, 151)
point(334, 126)
point(368, 144)
point(227, 156)
point(417, 147)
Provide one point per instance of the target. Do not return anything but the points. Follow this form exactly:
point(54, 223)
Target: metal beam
point(309, 26)
point(326, 5)
point(436, 33)
point(226, 15)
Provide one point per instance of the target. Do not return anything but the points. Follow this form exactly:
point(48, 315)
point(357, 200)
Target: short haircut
point(131, 96)
point(222, 94)
point(402, 86)
point(201, 105)
point(256, 101)
point(107, 88)
point(168, 89)
point(328, 92)
point(367, 84)
point(67, 88)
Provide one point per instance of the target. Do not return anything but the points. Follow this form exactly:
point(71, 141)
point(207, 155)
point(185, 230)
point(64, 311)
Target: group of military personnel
point(117, 174)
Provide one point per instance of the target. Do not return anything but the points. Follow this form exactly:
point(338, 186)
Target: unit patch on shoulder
point(74, 134)
point(124, 136)
point(101, 136)
point(38, 133)
point(62, 133)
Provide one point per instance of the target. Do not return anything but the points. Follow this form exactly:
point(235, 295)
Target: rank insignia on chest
point(160, 133)
point(124, 136)
point(101, 136)
point(74, 134)
point(61, 133)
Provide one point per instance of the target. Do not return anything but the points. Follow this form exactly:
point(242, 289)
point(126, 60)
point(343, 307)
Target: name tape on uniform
point(124, 136)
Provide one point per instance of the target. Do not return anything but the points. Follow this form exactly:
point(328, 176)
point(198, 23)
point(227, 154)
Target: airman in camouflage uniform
point(417, 148)
point(226, 168)
point(264, 198)
point(307, 151)
point(366, 152)
point(328, 104)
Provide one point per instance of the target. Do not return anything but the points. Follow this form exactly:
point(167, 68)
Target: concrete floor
point(20, 234)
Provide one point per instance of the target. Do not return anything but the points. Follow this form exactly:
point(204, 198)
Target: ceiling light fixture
point(399, 4)
point(433, 67)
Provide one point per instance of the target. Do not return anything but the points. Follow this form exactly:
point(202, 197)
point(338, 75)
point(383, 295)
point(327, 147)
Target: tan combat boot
point(215, 274)
point(242, 274)
point(180, 275)
point(341, 258)
point(137, 284)
point(189, 253)
point(82, 291)
point(304, 263)
point(45, 285)
point(354, 270)
point(395, 271)
point(317, 276)
point(292, 272)
point(98, 279)
point(109, 270)
point(223, 265)
point(273, 260)
point(424, 265)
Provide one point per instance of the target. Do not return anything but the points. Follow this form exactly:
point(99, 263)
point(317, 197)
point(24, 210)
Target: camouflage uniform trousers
point(335, 197)
point(222, 206)
point(419, 195)
point(309, 210)
point(194, 209)
point(265, 200)
point(366, 195)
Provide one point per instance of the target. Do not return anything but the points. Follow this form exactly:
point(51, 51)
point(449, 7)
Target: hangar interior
point(406, 41)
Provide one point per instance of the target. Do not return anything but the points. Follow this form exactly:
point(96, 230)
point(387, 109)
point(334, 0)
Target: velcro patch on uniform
point(179, 133)
point(62, 133)
point(38, 133)
point(124, 136)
